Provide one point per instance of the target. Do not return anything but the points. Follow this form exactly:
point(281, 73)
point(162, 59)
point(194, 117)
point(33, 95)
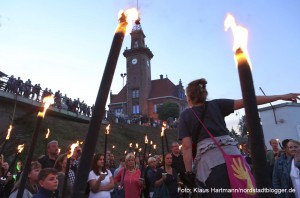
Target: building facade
point(141, 95)
point(281, 122)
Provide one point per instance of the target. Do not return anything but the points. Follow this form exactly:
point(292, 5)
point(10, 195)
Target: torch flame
point(73, 146)
point(59, 151)
point(154, 146)
point(240, 35)
point(107, 129)
point(130, 145)
point(140, 149)
point(8, 132)
point(163, 128)
point(20, 148)
point(151, 142)
point(126, 18)
point(136, 145)
point(47, 102)
point(146, 139)
point(125, 152)
point(47, 135)
point(113, 146)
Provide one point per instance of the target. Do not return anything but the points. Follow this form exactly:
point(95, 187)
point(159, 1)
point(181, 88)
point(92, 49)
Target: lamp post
point(123, 75)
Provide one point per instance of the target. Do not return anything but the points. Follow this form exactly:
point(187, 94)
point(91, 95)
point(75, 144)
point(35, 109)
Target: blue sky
point(63, 45)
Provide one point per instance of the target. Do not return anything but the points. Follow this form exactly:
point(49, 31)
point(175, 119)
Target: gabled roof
point(162, 87)
point(120, 97)
point(159, 88)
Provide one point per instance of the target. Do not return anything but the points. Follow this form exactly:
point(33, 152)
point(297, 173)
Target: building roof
point(290, 104)
point(162, 87)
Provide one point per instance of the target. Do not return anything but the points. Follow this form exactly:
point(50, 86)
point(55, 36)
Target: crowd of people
point(35, 92)
point(138, 177)
point(200, 163)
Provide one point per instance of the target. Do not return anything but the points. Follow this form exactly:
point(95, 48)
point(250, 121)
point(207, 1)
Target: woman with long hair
point(170, 178)
point(132, 183)
point(209, 163)
point(31, 186)
point(100, 183)
point(61, 165)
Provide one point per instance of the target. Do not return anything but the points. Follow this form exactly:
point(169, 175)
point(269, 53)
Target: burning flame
point(20, 148)
point(126, 18)
point(8, 132)
point(47, 135)
point(240, 35)
point(125, 152)
point(130, 145)
point(107, 129)
point(73, 146)
point(146, 139)
point(180, 146)
point(47, 102)
point(113, 146)
point(59, 151)
point(140, 149)
point(151, 142)
point(154, 146)
point(136, 145)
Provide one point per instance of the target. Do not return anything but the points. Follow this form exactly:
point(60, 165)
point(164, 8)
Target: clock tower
point(138, 68)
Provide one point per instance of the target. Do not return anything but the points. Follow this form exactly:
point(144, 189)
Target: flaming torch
point(146, 143)
point(46, 140)
point(70, 154)
point(12, 165)
point(154, 148)
point(130, 147)
point(105, 148)
point(150, 147)
point(136, 149)
point(98, 111)
point(165, 133)
point(256, 137)
point(162, 144)
point(112, 149)
point(47, 101)
point(6, 139)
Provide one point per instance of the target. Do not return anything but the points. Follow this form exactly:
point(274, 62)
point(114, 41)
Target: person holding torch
point(209, 163)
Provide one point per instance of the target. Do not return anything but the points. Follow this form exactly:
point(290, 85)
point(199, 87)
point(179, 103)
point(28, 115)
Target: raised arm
point(238, 104)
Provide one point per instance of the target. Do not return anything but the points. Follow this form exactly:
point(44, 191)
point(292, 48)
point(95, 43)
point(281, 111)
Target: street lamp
point(123, 75)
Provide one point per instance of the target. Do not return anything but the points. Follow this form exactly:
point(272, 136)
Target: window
point(155, 106)
point(135, 93)
point(135, 109)
point(118, 110)
point(181, 95)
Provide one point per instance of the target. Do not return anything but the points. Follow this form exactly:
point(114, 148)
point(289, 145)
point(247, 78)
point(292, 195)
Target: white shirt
point(295, 177)
point(101, 194)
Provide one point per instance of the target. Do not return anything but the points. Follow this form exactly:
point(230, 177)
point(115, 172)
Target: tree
point(243, 125)
point(168, 109)
point(233, 133)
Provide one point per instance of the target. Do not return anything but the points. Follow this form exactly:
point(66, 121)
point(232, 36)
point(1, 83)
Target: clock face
point(134, 61)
